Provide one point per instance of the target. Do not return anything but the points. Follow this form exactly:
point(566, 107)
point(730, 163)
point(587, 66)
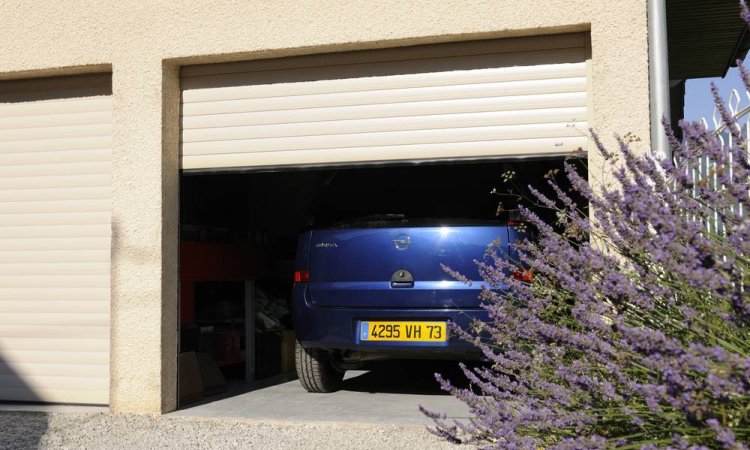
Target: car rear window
point(415, 195)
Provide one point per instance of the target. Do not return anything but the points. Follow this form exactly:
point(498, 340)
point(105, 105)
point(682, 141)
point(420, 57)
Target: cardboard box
point(212, 378)
point(190, 383)
point(288, 341)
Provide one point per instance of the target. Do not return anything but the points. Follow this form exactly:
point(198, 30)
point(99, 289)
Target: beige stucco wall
point(145, 41)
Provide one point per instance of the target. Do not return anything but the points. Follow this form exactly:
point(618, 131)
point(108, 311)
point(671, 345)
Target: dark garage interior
point(238, 241)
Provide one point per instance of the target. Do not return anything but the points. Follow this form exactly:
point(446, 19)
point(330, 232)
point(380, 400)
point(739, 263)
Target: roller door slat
point(77, 370)
point(57, 181)
point(69, 355)
point(56, 231)
point(435, 79)
point(56, 293)
point(390, 70)
point(413, 123)
point(61, 281)
point(45, 96)
point(50, 345)
point(56, 218)
point(46, 108)
point(56, 305)
point(40, 319)
point(57, 120)
point(99, 396)
point(418, 137)
point(354, 112)
point(68, 268)
point(56, 332)
point(485, 149)
point(56, 157)
point(61, 144)
point(60, 193)
point(50, 232)
point(69, 206)
point(63, 132)
point(35, 381)
point(42, 170)
point(510, 88)
point(60, 256)
point(478, 49)
point(53, 244)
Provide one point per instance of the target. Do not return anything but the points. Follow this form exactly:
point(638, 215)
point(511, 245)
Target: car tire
point(316, 371)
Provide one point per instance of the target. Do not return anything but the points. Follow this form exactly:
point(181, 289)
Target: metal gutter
point(658, 68)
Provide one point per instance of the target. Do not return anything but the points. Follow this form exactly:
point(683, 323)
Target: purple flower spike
point(635, 330)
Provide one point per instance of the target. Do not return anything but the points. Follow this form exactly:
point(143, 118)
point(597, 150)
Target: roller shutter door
point(523, 96)
point(55, 216)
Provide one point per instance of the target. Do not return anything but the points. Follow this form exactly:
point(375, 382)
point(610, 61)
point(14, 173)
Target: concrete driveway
point(389, 395)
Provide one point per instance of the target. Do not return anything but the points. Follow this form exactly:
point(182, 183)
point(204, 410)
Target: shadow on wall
point(55, 88)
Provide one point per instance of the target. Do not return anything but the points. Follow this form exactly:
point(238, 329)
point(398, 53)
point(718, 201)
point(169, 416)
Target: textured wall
point(144, 41)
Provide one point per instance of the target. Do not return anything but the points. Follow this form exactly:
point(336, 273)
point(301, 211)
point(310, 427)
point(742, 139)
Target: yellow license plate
point(377, 331)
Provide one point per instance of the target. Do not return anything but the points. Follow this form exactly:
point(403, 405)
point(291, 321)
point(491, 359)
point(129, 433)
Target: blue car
point(369, 290)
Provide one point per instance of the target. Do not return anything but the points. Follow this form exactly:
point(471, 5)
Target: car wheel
point(316, 371)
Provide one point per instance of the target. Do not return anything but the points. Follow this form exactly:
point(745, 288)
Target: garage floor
point(381, 396)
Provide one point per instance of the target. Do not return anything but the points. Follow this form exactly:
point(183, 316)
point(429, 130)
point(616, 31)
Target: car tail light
point(301, 276)
point(524, 275)
point(515, 219)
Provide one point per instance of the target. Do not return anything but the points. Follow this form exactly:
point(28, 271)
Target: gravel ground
point(23, 430)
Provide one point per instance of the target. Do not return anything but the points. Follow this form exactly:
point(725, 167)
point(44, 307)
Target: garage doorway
point(238, 241)
point(347, 135)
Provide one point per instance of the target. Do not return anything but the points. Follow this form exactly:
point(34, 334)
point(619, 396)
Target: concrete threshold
point(391, 398)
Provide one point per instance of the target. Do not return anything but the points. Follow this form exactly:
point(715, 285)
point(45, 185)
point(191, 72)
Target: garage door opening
point(239, 236)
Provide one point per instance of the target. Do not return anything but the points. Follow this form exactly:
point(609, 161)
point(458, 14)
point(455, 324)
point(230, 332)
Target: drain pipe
point(658, 70)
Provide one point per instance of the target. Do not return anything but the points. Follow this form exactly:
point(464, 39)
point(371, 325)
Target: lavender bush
point(635, 331)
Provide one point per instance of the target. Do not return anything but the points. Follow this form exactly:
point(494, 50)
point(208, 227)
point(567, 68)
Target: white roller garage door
point(523, 96)
point(55, 216)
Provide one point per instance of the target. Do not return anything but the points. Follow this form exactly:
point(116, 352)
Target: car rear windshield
point(414, 195)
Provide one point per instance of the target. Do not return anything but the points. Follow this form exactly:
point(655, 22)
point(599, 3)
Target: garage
point(272, 147)
point(55, 234)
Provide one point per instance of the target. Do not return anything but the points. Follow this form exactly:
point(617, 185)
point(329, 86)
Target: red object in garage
point(207, 261)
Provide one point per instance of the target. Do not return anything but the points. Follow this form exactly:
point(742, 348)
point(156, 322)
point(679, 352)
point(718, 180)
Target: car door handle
point(402, 279)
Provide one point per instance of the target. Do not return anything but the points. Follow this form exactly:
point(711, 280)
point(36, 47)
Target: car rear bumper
point(336, 328)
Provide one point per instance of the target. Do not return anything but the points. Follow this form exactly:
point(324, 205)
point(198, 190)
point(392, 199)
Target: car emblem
point(402, 242)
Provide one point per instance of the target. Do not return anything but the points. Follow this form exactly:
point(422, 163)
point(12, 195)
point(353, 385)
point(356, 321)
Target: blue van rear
point(353, 277)
point(370, 282)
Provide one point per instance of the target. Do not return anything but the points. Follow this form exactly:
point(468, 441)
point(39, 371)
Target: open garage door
point(55, 216)
point(241, 232)
point(480, 99)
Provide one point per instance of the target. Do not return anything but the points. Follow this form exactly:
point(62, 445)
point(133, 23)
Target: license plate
point(377, 331)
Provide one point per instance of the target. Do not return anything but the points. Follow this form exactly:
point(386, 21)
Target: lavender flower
point(635, 331)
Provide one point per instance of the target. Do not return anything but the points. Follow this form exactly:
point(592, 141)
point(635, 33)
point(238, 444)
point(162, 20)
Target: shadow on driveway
point(22, 430)
point(405, 377)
